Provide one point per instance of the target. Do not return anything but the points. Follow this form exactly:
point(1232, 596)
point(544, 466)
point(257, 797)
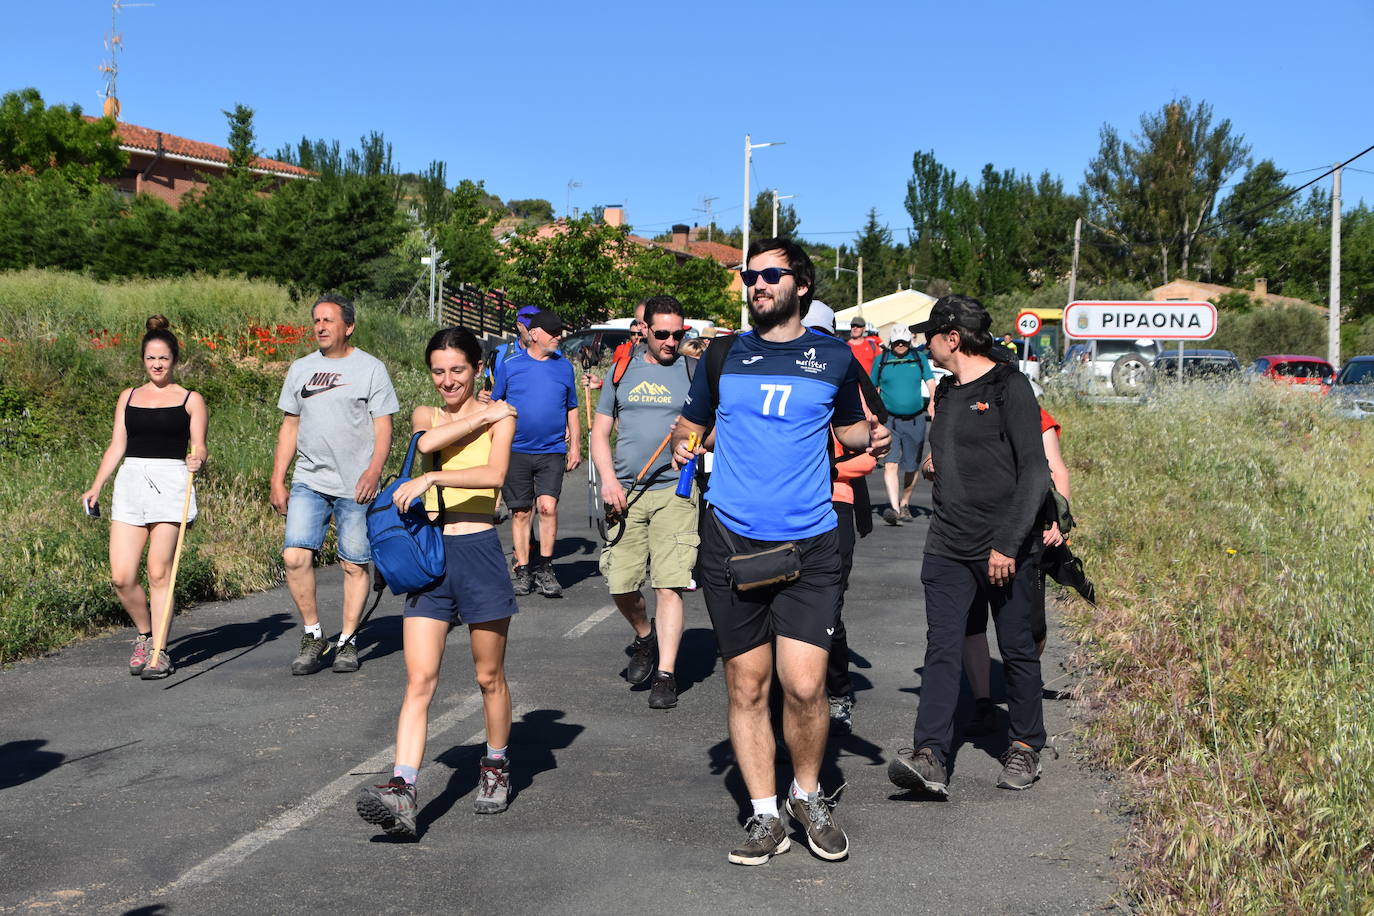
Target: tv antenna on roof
point(114, 43)
point(710, 220)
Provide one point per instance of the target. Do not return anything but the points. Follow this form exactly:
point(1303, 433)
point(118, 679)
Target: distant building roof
point(1196, 290)
point(133, 138)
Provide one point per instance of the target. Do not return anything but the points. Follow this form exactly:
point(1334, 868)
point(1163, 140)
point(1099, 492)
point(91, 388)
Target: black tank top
point(157, 432)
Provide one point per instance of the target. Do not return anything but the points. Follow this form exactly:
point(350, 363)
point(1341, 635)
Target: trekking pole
point(164, 626)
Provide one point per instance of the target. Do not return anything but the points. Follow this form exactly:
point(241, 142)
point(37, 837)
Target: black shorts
point(978, 614)
point(805, 609)
point(529, 476)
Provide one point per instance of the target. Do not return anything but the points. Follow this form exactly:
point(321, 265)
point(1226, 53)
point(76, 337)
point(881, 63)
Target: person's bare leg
point(356, 584)
point(548, 526)
point(668, 618)
point(894, 495)
point(747, 678)
point(162, 545)
point(423, 641)
point(126, 552)
point(489, 663)
point(805, 718)
point(521, 521)
point(908, 484)
point(978, 665)
point(300, 582)
point(631, 607)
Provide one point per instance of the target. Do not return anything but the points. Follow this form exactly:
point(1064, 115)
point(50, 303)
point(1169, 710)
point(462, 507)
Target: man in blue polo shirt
point(773, 399)
point(548, 443)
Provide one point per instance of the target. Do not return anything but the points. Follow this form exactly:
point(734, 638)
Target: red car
point(1296, 370)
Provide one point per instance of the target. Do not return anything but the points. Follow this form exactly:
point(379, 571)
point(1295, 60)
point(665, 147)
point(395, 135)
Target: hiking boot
point(547, 582)
point(814, 816)
point(1020, 767)
point(905, 516)
point(156, 672)
point(663, 695)
point(493, 786)
point(767, 838)
point(918, 770)
point(890, 516)
point(143, 646)
point(391, 807)
point(643, 654)
point(984, 718)
point(842, 713)
point(345, 659)
point(522, 580)
point(310, 658)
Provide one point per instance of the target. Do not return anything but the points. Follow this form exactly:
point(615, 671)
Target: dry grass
point(1232, 656)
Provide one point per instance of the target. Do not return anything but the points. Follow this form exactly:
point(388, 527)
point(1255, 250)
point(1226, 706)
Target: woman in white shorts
point(154, 426)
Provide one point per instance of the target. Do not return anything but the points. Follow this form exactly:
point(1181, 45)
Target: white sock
point(344, 640)
point(314, 630)
point(765, 806)
point(797, 792)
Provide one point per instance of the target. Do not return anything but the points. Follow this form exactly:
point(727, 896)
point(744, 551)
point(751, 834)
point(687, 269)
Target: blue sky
point(647, 104)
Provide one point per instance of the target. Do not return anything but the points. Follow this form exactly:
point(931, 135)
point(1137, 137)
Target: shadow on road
point(204, 645)
point(21, 761)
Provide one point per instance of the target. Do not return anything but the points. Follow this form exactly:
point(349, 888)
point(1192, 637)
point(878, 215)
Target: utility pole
point(858, 275)
point(777, 197)
point(710, 219)
point(749, 148)
point(861, 280)
point(1073, 277)
point(1333, 318)
point(567, 206)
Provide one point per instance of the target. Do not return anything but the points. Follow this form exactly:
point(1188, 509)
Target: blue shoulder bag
point(407, 548)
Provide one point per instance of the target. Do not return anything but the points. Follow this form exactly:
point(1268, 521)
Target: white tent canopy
point(904, 307)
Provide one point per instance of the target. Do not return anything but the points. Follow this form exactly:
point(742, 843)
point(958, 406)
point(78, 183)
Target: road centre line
point(596, 617)
point(233, 854)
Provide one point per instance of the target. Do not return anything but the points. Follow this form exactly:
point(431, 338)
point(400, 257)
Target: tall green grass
point(1231, 661)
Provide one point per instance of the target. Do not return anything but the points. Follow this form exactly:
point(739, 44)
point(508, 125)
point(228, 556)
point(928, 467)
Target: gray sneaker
point(346, 659)
point(767, 837)
point(522, 580)
point(546, 581)
point(143, 646)
point(391, 807)
point(842, 713)
point(905, 516)
point(890, 516)
point(310, 658)
point(156, 672)
point(918, 770)
point(1020, 767)
point(493, 786)
point(823, 835)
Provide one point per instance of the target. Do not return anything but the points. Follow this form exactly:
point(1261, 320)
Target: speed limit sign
point(1028, 324)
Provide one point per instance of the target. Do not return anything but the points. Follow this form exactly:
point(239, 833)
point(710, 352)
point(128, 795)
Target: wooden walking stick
point(165, 625)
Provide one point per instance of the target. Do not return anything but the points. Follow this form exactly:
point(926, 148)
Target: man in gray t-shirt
point(661, 527)
point(337, 407)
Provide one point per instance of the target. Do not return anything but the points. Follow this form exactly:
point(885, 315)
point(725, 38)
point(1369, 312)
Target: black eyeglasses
point(769, 274)
point(676, 335)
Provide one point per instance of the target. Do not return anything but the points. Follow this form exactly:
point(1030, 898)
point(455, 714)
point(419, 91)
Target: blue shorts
point(307, 520)
point(908, 438)
point(476, 587)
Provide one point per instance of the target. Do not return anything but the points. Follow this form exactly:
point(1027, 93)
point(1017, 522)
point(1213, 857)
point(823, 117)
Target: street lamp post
point(749, 148)
point(777, 197)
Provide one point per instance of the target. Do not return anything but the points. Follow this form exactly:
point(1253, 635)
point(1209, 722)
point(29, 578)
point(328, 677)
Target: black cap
point(549, 322)
point(950, 312)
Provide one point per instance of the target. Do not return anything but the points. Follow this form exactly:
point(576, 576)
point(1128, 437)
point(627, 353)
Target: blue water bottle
point(689, 470)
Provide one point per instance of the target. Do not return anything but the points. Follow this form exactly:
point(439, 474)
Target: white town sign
point(1131, 320)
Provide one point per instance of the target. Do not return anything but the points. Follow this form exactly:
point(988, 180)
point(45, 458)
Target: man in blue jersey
point(772, 400)
point(548, 443)
point(508, 351)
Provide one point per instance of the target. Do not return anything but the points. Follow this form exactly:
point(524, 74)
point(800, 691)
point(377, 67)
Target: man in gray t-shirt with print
point(337, 407)
point(661, 527)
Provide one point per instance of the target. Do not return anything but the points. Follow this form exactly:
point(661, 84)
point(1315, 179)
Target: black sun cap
point(951, 312)
point(548, 322)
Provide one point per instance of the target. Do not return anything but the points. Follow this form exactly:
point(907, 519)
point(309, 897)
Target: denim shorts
point(307, 520)
point(476, 586)
point(908, 439)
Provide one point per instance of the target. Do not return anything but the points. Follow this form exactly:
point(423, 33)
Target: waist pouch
point(746, 571)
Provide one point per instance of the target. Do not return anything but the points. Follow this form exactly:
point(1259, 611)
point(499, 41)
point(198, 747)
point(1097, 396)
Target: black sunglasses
point(676, 335)
point(769, 274)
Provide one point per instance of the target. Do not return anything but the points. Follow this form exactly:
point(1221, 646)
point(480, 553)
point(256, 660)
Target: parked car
point(599, 341)
point(1353, 394)
point(1119, 366)
point(1198, 365)
point(1296, 370)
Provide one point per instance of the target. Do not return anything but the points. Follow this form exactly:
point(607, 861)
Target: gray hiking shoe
point(493, 786)
point(767, 837)
point(156, 672)
point(346, 659)
point(311, 655)
point(391, 807)
point(842, 713)
point(905, 517)
point(663, 694)
point(546, 581)
point(918, 770)
point(522, 580)
point(1020, 767)
point(143, 645)
point(815, 816)
point(890, 516)
point(643, 656)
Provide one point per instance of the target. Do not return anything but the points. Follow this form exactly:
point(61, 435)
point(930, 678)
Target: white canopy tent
point(904, 307)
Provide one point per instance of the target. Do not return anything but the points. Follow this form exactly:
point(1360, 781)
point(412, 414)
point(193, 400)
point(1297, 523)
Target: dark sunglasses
point(676, 335)
point(769, 274)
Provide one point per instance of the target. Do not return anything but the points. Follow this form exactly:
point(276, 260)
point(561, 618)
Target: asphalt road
point(229, 787)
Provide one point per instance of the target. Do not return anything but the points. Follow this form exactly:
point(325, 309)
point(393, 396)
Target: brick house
point(1196, 291)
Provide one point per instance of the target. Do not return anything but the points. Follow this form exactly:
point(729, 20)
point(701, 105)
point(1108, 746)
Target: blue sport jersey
point(770, 477)
point(542, 392)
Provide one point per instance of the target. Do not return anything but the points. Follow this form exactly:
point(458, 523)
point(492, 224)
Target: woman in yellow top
point(471, 440)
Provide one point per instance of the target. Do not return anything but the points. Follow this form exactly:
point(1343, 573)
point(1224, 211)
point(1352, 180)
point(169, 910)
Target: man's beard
point(779, 312)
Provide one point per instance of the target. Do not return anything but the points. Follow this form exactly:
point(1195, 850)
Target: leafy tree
point(35, 138)
point(534, 208)
point(761, 218)
point(466, 237)
point(433, 196)
point(242, 151)
point(1273, 329)
point(578, 272)
point(1154, 194)
point(700, 284)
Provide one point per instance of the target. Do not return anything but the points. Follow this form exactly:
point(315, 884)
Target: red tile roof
point(144, 138)
point(725, 255)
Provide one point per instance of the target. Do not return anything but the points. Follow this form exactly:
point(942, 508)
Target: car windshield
point(1360, 372)
point(1302, 370)
point(1197, 365)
